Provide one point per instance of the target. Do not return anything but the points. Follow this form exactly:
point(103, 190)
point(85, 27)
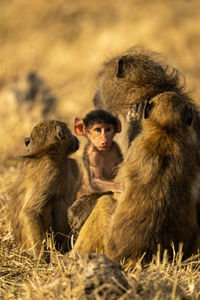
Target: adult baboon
point(162, 185)
point(45, 188)
point(128, 80)
point(32, 89)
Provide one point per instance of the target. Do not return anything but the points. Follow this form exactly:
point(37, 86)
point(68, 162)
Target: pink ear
point(119, 125)
point(79, 127)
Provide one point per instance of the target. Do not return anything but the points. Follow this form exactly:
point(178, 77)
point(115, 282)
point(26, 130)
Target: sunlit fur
point(128, 80)
point(45, 187)
point(158, 204)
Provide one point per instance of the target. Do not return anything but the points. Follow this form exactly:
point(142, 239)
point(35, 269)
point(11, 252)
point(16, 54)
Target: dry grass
point(66, 43)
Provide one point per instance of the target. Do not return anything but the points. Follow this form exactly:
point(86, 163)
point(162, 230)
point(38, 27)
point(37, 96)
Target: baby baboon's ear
point(120, 68)
point(188, 115)
point(59, 132)
point(147, 108)
point(79, 127)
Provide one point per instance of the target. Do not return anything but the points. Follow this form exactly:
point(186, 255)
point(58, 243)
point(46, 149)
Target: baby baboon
point(45, 188)
point(162, 186)
point(127, 80)
point(100, 159)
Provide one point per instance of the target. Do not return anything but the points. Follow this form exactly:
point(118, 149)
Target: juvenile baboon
point(162, 185)
point(45, 188)
point(100, 158)
point(128, 80)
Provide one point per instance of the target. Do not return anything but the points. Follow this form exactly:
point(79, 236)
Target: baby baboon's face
point(101, 136)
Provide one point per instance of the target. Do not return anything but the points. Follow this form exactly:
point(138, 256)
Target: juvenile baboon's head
point(169, 111)
point(51, 134)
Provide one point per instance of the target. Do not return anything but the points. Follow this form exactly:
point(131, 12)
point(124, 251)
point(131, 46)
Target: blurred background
point(59, 47)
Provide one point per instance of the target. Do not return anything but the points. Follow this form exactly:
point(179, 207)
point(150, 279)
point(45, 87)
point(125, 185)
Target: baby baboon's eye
point(108, 129)
point(97, 129)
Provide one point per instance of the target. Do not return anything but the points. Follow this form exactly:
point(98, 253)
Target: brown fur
point(162, 185)
point(127, 80)
point(80, 210)
point(45, 188)
point(94, 230)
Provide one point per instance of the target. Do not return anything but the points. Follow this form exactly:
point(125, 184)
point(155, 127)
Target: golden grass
point(66, 42)
point(23, 278)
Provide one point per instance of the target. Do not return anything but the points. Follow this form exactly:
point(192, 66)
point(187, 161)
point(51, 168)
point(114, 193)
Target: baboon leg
point(90, 238)
point(79, 211)
point(61, 226)
point(33, 228)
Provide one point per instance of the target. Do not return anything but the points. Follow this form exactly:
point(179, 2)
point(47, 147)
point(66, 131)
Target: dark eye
point(108, 129)
point(27, 141)
point(97, 129)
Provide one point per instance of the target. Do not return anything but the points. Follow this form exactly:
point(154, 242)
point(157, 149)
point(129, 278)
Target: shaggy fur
point(45, 187)
point(162, 186)
point(128, 80)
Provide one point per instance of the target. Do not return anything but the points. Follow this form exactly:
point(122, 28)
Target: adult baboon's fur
point(30, 89)
point(162, 185)
point(80, 210)
point(45, 188)
point(127, 80)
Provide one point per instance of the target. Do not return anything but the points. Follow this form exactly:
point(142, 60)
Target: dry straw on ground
point(66, 42)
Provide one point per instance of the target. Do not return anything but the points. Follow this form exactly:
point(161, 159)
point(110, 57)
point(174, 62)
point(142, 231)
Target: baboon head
point(136, 75)
point(127, 81)
point(169, 111)
point(51, 134)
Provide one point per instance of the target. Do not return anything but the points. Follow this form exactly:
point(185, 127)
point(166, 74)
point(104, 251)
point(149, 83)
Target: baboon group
point(134, 194)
